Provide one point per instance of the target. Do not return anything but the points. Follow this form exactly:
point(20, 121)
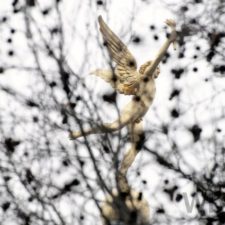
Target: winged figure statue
point(127, 80)
point(124, 78)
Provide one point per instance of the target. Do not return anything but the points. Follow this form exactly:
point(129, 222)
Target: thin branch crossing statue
point(141, 84)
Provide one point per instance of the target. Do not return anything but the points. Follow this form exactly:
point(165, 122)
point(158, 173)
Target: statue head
point(144, 67)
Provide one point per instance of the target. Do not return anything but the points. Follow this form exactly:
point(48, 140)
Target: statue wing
point(125, 77)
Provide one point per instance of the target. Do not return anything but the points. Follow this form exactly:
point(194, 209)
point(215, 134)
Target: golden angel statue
point(127, 80)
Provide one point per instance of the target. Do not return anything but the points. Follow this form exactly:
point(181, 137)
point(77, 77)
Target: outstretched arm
point(164, 48)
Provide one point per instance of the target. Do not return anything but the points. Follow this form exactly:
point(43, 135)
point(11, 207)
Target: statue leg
point(103, 128)
point(136, 133)
point(133, 111)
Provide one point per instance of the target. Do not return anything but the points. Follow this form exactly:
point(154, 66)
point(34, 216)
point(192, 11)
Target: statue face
point(145, 66)
point(157, 72)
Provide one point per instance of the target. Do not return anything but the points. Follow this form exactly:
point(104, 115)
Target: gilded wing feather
point(117, 49)
point(125, 78)
point(125, 85)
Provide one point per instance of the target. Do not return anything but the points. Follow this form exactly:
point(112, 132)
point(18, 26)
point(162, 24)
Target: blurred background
point(47, 50)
